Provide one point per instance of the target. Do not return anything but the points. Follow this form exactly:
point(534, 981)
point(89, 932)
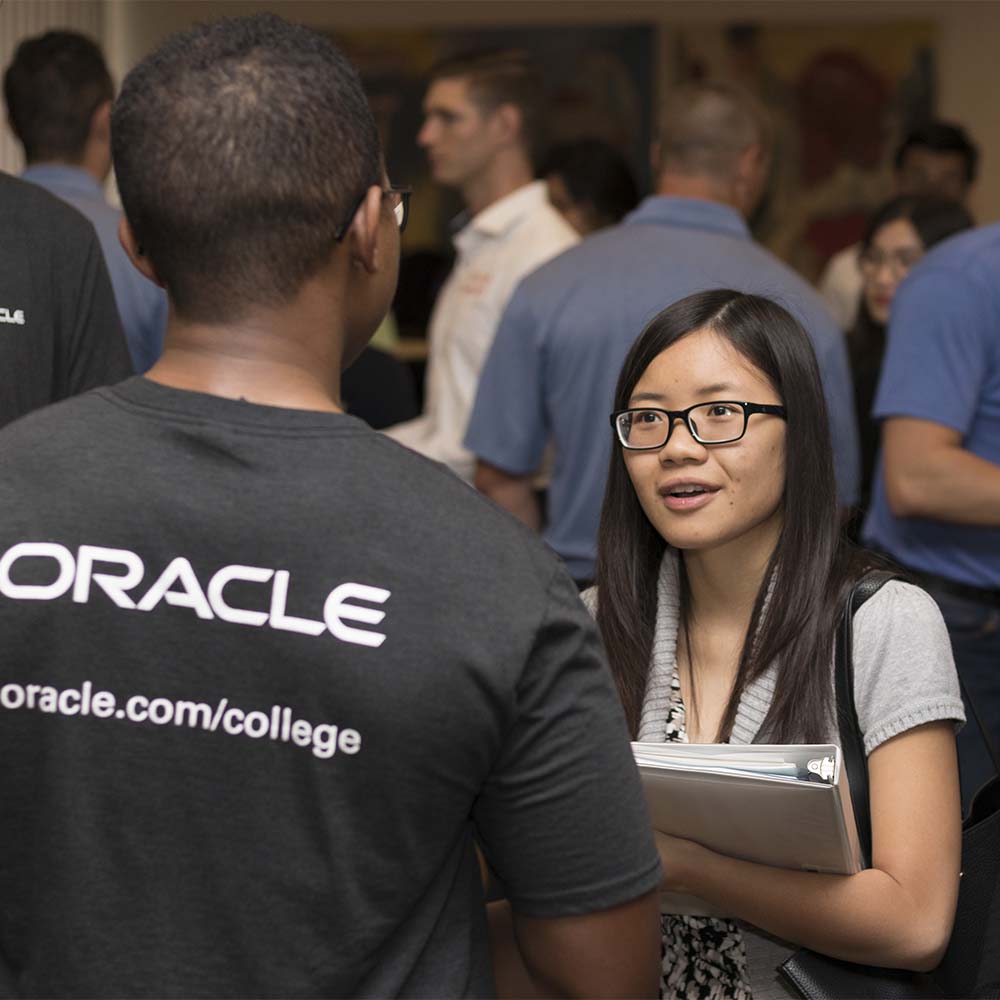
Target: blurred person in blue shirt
point(58, 92)
point(936, 501)
point(551, 374)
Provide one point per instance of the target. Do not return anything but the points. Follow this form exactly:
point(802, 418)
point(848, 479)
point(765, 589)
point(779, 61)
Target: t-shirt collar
point(496, 219)
point(689, 213)
point(68, 179)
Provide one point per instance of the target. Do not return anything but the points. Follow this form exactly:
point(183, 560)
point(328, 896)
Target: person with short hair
point(482, 119)
point(58, 93)
point(570, 324)
point(261, 714)
point(937, 159)
point(590, 183)
point(722, 578)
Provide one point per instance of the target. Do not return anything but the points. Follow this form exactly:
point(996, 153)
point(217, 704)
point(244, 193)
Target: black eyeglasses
point(398, 197)
point(720, 422)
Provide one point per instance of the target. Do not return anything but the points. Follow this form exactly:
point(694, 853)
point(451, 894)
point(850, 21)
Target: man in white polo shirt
point(481, 121)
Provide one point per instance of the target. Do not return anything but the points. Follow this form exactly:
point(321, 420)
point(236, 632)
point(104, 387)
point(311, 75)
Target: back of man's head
point(242, 150)
point(944, 141)
point(498, 77)
point(52, 88)
point(705, 127)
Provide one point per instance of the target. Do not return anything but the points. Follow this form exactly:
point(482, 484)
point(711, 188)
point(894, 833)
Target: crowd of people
point(289, 709)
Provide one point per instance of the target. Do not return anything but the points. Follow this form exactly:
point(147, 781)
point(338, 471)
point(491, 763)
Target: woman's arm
point(899, 913)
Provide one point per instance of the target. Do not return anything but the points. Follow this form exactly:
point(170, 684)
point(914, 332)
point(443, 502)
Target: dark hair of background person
point(52, 88)
point(812, 567)
point(934, 219)
point(942, 137)
point(597, 177)
point(235, 201)
point(497, 77)
point(704, 127)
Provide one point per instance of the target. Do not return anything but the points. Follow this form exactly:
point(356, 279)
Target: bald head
point(713, 133)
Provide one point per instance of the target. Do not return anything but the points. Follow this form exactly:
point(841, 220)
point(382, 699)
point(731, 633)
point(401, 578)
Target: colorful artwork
point(842, 96)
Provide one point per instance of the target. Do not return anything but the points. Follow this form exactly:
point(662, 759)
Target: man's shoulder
point(56, 427)
point(33, 209)
point(974, 253)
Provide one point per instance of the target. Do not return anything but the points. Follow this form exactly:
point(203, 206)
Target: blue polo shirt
point(141, 304)
point(562, 340)
point(942, 364)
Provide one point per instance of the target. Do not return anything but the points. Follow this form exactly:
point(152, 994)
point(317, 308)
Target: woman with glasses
point(897, 236)
point(721, 577)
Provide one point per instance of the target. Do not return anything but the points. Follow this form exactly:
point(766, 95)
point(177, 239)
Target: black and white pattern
point(703, 958)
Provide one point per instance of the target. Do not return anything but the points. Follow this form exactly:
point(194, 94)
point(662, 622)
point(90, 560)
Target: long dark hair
point(812, 567)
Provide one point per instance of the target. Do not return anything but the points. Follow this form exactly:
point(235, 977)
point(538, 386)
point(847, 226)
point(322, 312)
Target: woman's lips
point(688, 501)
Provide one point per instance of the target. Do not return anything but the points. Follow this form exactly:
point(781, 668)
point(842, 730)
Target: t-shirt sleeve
point(95, 346)
point(508, 427)
point(904, 672)
point(936, 355)
point(562, 818)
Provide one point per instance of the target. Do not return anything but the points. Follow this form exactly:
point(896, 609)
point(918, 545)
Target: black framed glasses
point(721, 421)
point(398, 198)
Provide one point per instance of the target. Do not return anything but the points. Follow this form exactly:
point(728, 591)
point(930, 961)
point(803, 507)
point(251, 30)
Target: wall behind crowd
point(968, 72)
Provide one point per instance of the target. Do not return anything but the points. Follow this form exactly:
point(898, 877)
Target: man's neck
point(506, 174)
point(693, 186)
point(289, 357)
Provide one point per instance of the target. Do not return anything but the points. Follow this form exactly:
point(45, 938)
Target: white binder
point(787, 806)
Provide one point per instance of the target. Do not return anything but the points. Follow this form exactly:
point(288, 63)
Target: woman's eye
point(648, 417)
point(721, 411)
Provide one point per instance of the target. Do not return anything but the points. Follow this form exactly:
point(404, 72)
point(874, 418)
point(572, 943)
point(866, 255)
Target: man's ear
point(135, 254)
point(750, 176)
point(508, 122)
point(100, 122)
point(655, 163)
point(363, 236)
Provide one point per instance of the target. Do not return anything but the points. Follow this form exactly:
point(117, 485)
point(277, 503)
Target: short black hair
point(501, 76)
point(942, 137)
point(595, 174)
point(52, 88)
point(241, 149)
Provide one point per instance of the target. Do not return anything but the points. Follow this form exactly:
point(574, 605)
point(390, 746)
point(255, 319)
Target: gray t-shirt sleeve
point(562, 819)
point(904, 672)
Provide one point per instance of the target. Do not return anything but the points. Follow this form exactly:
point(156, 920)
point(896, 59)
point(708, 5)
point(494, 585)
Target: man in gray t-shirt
point(272, 683)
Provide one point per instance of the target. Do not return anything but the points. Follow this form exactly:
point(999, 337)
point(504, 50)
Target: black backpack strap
point(852, 742)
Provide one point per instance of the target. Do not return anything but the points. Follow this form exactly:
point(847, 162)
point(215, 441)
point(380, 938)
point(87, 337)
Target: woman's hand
point(682, 860)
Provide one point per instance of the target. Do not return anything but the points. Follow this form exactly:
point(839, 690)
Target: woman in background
point(898, 235)
point(721, 579)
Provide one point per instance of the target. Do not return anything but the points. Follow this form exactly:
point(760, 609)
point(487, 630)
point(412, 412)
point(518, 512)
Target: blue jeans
point(975, 640)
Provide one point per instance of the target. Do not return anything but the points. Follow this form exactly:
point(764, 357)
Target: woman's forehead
point(702, 362)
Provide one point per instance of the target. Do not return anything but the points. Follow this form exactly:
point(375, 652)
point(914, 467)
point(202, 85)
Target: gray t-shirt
point(266, 677)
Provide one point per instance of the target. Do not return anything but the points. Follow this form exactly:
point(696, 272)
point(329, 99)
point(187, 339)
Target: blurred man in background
point(482, 118)
point(58, 93)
